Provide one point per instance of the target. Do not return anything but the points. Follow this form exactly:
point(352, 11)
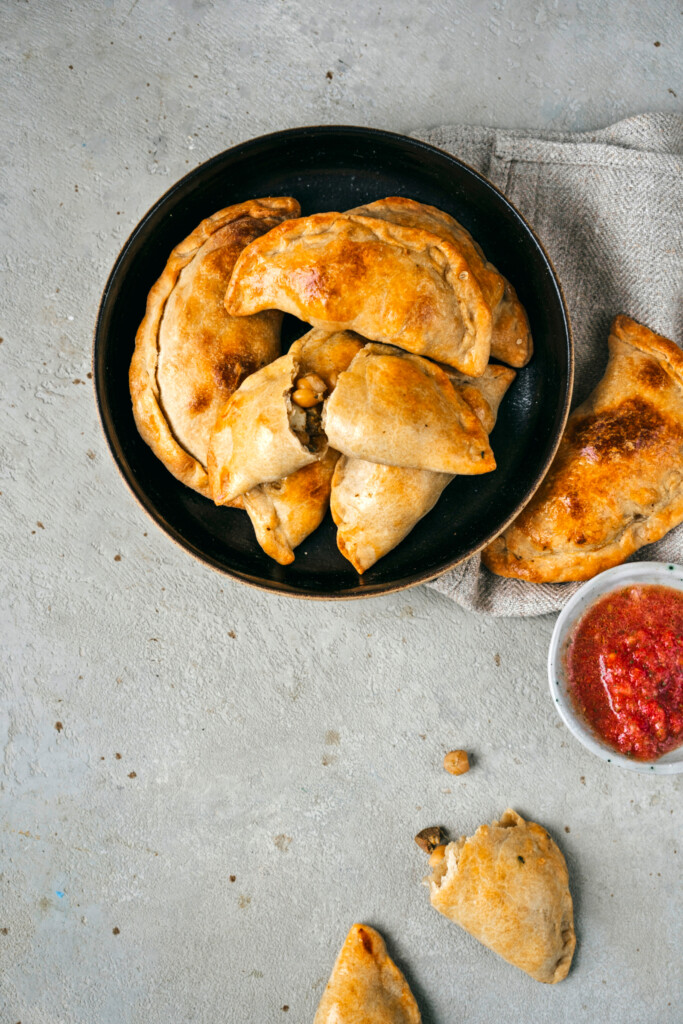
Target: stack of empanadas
point(388, 398)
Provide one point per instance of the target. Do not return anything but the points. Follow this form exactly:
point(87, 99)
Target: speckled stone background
point(203, 786)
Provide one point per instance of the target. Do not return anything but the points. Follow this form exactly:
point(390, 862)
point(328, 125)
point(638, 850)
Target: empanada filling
point(305, 411)
point(444, 862)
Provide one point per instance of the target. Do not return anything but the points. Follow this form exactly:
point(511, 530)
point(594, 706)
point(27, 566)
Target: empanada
point(285, 512)
point(402, 410)
point(262, 435)
point(374, 506)
point(190, 354)
point(366, 986)
point(390, 283)
point(510, 334)
point(616, 482)
point(508, 886)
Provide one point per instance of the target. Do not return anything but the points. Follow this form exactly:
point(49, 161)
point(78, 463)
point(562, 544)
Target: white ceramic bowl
point(661, 573)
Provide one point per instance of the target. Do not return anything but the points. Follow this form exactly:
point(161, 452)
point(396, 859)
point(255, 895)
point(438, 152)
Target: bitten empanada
point(366, 986)
point(190, 354)
point(402, 410)
point(261, 435)
point(508, 886)
point(616, 482)
point(375, 507)
point(510, 335)
point(284, 513)
point(390, 283)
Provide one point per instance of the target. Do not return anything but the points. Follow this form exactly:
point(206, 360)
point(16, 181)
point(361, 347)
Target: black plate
point(335, 168)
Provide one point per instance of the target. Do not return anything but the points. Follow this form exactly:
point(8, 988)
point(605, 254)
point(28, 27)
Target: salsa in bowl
point(616, 666)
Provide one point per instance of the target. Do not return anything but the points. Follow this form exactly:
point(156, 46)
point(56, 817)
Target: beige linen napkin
point(608, 207)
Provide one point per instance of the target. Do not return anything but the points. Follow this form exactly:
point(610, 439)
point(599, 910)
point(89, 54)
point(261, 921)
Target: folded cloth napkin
point(608, 207)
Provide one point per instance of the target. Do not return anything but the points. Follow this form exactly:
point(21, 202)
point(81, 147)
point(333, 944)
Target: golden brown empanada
point(374, 506)
point(616, 482)
point(508, 886)
point(390, 283)
point(366, 986)
point(190, 354)
point(510, 334)
point(261, 435)
point(285, 512)
point(402, 410)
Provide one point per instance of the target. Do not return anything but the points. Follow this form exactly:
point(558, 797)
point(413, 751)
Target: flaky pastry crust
point(375, 507)
point(402, 410)
point(616, 482)
point(190, 354)
point(390, 283)
point(510, 335)
point(284, 513)
point(508, 886)
point(366, 986)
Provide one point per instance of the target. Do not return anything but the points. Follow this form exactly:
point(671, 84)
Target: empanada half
point(616, 482)
point(510, 335)
point(284, 513)
point(190, 354)
point(401, 410)
point(366, 986)
point(508, 886)
point(261, 435)
point(375, 507)
point(390, 283)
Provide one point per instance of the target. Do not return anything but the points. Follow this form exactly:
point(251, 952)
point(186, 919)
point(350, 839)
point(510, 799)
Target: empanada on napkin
point(389, 283)
point(616, 482)
point(510, 334)
point(402, 410)
point(190, 354)
point(261, 435)
point(374, 506)
point(508, 886)
point(366, 986)
point(284, 513)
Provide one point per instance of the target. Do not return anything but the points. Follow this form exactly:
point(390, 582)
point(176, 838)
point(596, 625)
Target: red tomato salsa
point(625, 670)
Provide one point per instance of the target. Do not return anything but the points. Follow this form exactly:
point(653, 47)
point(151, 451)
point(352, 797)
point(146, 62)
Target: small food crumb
point(429, 838)
point(117, 558)
point(233, 878)
point(567, 828)
point(5, 931)
point(58, 726)
point(132, 775)
point(116, 931)
point(117, 756)
point(658, 43)
point(232, 634)
point(456, 762)
point(285, 1008)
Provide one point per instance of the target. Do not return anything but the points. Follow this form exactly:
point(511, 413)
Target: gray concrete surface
point(202, 786)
